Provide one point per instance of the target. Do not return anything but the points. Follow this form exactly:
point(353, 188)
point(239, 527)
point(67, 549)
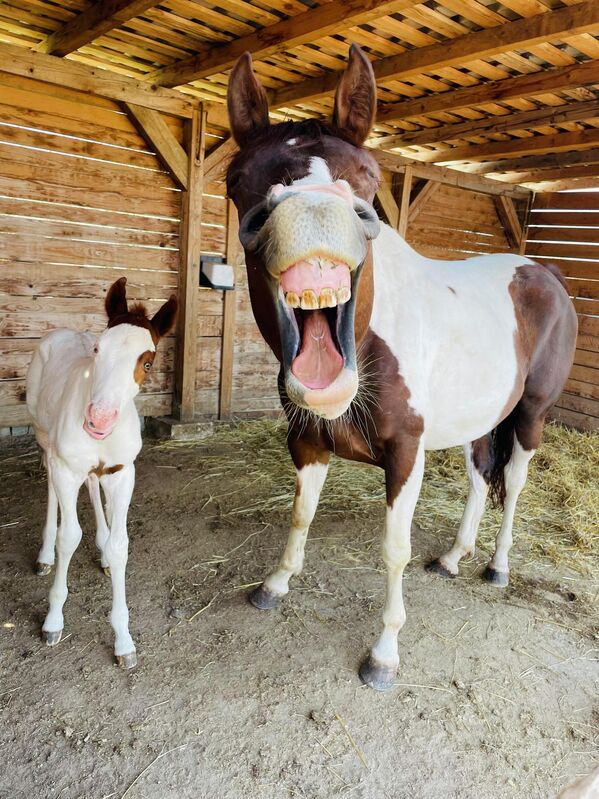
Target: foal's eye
point(147, 366)
point(95, 350)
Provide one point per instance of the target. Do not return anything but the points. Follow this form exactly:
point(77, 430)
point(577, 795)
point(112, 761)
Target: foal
point(80, 392)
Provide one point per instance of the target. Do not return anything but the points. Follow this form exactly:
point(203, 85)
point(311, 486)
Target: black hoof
point(498, 579)
point(381, 678)
point(263, 599)
point(436, 567)
point(51, 638)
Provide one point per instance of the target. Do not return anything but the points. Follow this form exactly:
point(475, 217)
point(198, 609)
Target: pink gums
point(316, 274)
point(319, 362)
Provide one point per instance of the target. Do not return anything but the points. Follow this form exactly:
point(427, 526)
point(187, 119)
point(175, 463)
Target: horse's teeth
point(327, 299)
point(292, 299)
point(309, 300)
point(343, 295)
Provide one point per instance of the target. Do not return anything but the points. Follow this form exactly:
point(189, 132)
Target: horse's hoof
point(498, 579)
point(377, 676)
point(106, 570)
point(51, 638)
point(436, 567)
point(43, 569)
point(263, 599)
point(128, 661)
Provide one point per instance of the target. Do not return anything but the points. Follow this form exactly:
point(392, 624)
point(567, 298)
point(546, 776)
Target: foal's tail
point(502, 445)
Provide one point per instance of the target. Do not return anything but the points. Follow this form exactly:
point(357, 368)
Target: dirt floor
point(498, 692)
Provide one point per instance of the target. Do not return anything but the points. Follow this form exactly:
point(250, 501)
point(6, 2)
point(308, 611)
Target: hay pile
point(557, 518)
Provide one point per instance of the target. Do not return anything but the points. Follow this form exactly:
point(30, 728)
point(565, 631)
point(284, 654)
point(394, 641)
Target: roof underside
point(508, 90)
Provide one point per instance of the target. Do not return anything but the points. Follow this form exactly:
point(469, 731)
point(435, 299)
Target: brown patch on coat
point(100, 470)
point(140, 372)
point(388, 435)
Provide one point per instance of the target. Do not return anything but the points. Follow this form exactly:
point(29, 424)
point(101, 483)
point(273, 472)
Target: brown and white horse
point(384, 353)
point(80, 392)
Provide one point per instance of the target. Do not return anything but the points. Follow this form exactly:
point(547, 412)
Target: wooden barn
point(114, 144)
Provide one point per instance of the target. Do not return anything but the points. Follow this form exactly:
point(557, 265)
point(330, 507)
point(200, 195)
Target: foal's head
point(304, 191)
point(122, 357)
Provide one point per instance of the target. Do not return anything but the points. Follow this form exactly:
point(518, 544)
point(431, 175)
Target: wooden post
point(523, 239)
point(228, 340)
point(189, 278)
point(404, 205)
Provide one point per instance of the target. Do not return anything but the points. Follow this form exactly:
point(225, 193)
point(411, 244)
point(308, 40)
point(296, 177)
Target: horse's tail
point(502, 438)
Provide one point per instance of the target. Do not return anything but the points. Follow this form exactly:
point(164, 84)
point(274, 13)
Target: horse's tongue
point(318, 362)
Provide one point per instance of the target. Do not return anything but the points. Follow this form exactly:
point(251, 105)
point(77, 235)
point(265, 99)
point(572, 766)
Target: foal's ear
point(246, 101)
point(355, 100)
point(164, 318)
point(116, 299)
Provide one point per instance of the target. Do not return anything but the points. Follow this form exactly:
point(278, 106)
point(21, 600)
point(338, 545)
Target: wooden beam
point(562, 185)
point(542, 82)
point(508, 217)
point(547, 115)
point(189, 279)
point(404, 204)
point(429, 188)
point(562, 173)
point(230, 301)
point(388, 203)
point(159, 136)
point(521, 34)
point(60, 72)
point(97, 19)
point(450, 177)
point(324, 20)
point(553, 143)
point(218, 159)
point(525, 224)
point(527, 163)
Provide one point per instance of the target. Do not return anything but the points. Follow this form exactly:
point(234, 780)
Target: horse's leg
point(311, 471)
point(403, 471)
point(477, 464)
point(68, 537)
point(102, 531)
point(119, 490)
point(527, 436)
point(45, 559)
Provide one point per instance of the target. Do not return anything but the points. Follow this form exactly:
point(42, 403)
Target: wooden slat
point(228, 339)
point(575, 201)
point(563, 250)
point(91, 23)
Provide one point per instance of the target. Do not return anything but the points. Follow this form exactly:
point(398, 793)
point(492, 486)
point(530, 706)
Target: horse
point(384, 353)
point(80, 394)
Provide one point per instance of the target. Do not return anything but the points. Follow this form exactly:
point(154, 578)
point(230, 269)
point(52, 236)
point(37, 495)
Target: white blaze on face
point(119, 348)
point(318, 173)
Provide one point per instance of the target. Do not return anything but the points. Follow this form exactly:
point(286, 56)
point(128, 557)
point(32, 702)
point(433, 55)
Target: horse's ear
point(116, 299)
point(164, 318)
point(355, 100)
point(246, 101)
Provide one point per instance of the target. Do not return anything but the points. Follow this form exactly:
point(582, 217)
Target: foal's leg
point(45, 559)
point(68, 537)
point(380, 667)
point(119, 489)
point(309, 482)
point(515, 474)
point(102, 531)
point(478, 455)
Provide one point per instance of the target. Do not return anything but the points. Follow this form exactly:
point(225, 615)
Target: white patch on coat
point(451, 326)
point(291, 142)
point(318, 173)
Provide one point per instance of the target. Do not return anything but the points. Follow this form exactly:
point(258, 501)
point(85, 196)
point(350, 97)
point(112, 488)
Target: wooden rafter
point(159, 136)
point(388, 202)
point(506, 211)
point(543, 82)
point(536, 162)
point(94, 21)
point(546, 115)
point(60, 72)
point(561, 173)
point(553, 143)
point(217, 160)
point(522, 34)
point(313, 24)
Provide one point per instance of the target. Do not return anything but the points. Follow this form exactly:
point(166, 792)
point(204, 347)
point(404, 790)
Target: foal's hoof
point(377, 676)
point(263, 599)
point(106, 570)
point(436, 567)
point(51, 638)
point(43, 569)
point(128, 661)
point(498, 579)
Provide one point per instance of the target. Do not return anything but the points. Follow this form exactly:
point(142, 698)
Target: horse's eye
point(147, 366)
point(95, 350)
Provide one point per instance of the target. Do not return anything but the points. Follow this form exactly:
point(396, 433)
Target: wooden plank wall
point(564, 230)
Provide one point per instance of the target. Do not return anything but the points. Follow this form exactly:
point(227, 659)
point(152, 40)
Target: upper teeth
point(309, 301)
